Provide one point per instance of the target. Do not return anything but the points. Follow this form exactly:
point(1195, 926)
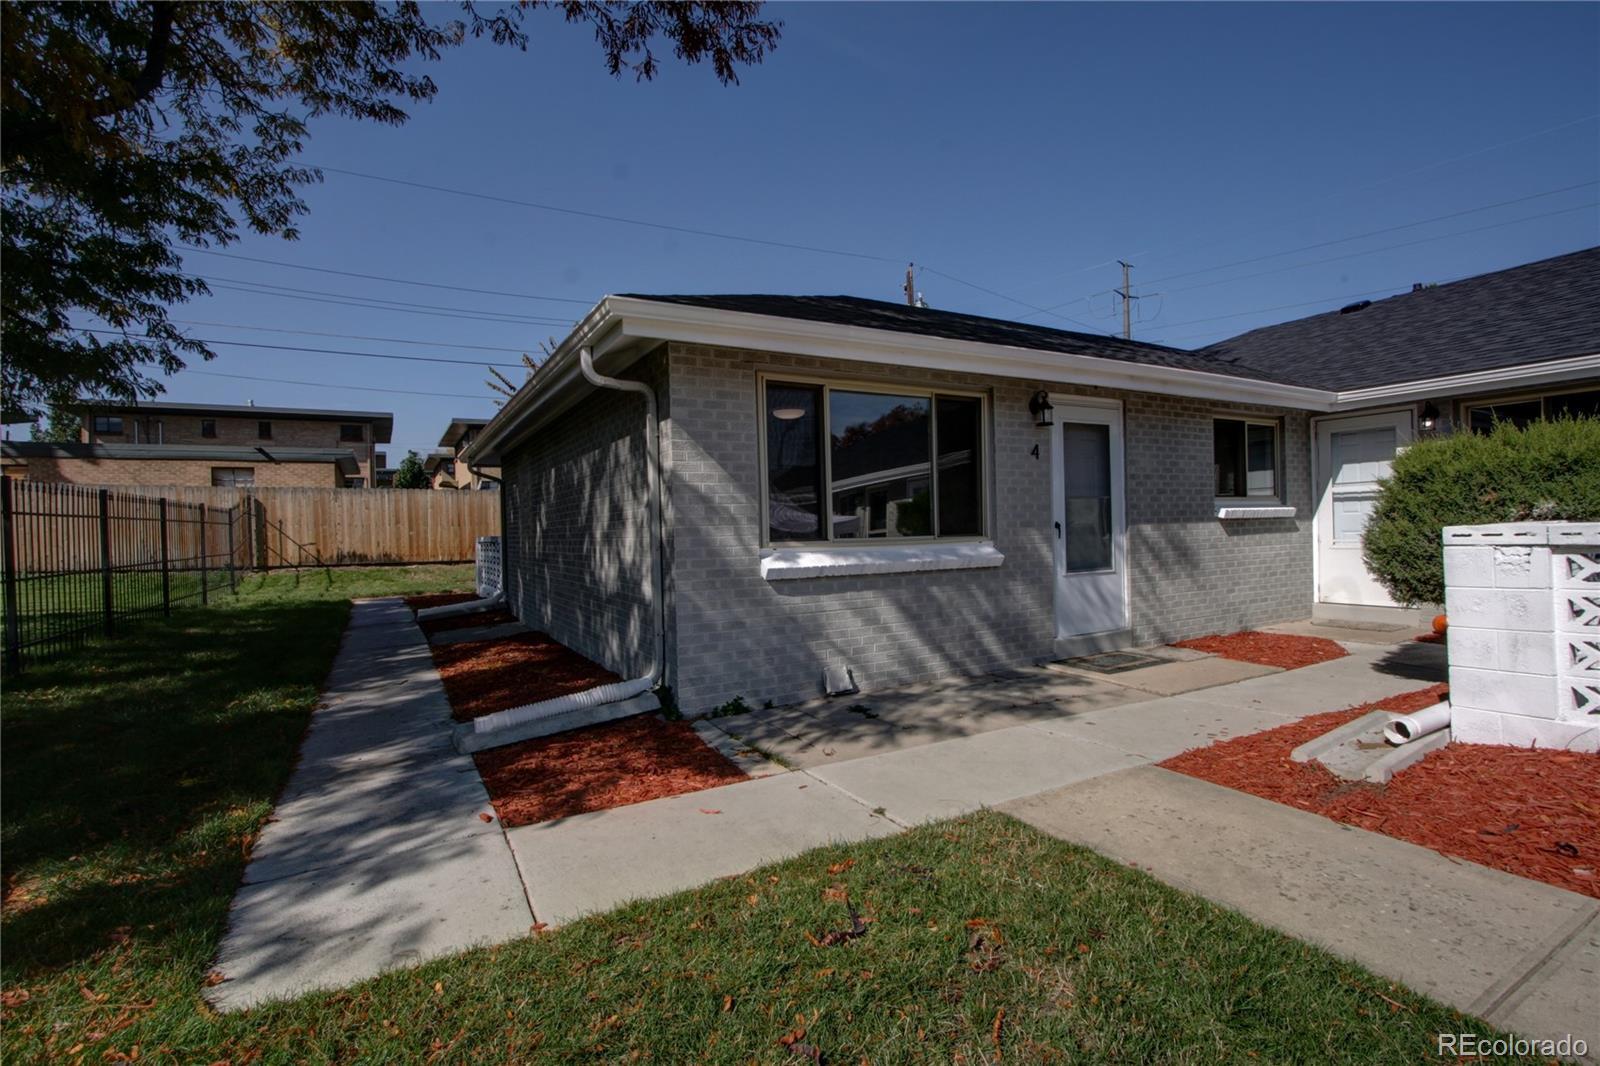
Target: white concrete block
point(1518, 566)
point(1499, 533)
point(1576, 569)
point(1523, 653)
point(1578, 655)
point(1468, 726)
point(1478, 608)
point(1578, 700)
point(1521, 732)
point(1577, 611)
point(1496, 690)
point(1468, 566)
point(1474, 647)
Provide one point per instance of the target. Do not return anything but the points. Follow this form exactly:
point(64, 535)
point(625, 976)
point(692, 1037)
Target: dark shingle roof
point(924, 321)
point(1527, 314)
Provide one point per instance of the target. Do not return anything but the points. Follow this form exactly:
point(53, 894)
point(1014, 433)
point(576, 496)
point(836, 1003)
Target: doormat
point(1112, 662)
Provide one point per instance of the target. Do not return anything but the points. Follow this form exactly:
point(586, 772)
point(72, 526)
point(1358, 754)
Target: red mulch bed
point(1282, 650)
point(438, 599)
point(467, 621)
point(1531, 813)
point(595, 769)
point(484, 676)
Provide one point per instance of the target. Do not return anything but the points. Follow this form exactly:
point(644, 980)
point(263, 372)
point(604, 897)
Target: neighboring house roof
point(344, 458)
point(954, 325)
point(1541, 311)
point(458, 428)
point(436, 458)
point(382, 421)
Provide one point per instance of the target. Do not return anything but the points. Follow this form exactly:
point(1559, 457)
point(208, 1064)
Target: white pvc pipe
point(1404, 728)
point(615, 692)
point(451, 610)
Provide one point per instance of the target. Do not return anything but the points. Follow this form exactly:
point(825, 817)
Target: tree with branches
point(128, 129)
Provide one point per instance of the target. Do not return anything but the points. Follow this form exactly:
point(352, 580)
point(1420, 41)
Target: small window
point(352, 431)
point(233, 477)
point(208, 427)
point(1246, 455)
point(264, 430)
point(109, 424)
point(853, 464)
point(355, 482)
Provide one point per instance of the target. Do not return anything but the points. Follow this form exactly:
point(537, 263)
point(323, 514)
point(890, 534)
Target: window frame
point(263, 430)
point(1277, 496)
point(101, 424)
point(208, 428)
point(233, 472)
point(1466, 407)
point(827, 383)
point(360, 436)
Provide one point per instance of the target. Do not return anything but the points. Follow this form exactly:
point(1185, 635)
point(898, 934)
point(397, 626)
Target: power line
point(1356, 237)
point(610, 218)
point(326, 385)
point(347, 336)
point(1012, 299)
point(1389, 247)
point(393, 303)
point(504, 321)
point(322, 351)
point(380, 277)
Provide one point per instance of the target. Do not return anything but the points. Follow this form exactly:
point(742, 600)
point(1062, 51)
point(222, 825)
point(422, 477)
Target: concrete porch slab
point(1348, 632)
point(956, 776)
point(594, 862)
point(1451, 929)
point(1160, 729)
point(1367, 673)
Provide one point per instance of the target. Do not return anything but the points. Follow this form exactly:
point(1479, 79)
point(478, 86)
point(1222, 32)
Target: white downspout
point(620, 690)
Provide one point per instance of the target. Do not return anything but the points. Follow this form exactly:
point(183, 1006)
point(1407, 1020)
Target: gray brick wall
point(577, 554)
point(737, 634)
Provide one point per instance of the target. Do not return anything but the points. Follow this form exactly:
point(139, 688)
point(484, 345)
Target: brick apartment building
point(209, 444)
point(445, 467)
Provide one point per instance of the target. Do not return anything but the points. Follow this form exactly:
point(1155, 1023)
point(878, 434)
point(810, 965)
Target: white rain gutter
point(1404, 728)
point(619, 691)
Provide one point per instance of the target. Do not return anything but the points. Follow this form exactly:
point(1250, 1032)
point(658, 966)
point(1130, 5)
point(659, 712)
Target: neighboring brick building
point(858, 490)
point(445, 467)
point(210, 444)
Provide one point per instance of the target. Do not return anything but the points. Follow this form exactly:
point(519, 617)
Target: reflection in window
point(881, 446)
point(794, 462)
point(1086, 460)
point(960, 421)
point(1523, 413)
point(1246, 457)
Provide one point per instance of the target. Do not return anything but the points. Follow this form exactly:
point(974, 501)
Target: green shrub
point(1547, 472)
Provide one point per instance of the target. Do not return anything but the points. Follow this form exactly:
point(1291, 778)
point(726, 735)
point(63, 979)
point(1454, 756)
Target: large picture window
point(1246, 454)
point(1522, 413)
point(848, 464)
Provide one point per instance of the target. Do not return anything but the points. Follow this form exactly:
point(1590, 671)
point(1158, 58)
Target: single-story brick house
point(858, 491)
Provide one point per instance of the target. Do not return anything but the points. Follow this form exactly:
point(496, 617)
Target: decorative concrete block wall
point(1523, 600)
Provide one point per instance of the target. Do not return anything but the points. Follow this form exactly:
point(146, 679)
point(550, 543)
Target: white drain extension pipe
point(618, 690)
point(1404, 728)
point(451, 610)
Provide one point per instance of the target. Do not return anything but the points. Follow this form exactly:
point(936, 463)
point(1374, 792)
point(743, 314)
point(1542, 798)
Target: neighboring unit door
point(1089, 521)
point(1352, 454)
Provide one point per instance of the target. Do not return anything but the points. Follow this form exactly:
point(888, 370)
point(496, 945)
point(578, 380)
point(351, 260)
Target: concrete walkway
point(1521, 954)
point(376, 856)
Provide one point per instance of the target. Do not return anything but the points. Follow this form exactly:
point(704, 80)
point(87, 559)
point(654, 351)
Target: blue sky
point(1018, 148)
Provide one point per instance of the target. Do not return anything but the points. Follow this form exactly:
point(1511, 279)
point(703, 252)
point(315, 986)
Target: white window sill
point(1253, 510)
point(788, 564)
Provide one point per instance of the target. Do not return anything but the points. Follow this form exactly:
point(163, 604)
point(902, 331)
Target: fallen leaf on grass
point(90, 995)
point(14, 997)
point(999, 1020)
point(840, 867)
point(727, 1004)
point(790, 1038)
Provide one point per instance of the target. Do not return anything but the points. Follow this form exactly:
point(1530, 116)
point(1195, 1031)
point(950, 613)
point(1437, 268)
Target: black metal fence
point(85, 562)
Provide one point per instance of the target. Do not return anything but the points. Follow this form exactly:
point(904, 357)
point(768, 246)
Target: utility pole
point(911, 284)
point(1128, 297)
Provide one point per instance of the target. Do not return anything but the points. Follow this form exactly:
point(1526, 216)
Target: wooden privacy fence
point(348, 527)
point(81, 562)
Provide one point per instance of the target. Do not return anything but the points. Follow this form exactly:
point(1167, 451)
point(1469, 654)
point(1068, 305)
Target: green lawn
point(136, 773)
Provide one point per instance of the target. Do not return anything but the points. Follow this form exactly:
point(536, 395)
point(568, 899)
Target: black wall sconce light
point(1043, 411)
point(1430, 417)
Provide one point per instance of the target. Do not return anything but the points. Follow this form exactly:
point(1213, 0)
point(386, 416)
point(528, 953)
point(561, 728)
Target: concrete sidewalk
point(376, 856)
point(1523, 955)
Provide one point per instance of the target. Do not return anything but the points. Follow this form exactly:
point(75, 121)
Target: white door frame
point(1322, 481)
point(1068, 408)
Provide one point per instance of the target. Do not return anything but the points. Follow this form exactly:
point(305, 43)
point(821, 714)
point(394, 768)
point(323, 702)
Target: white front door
point(1090, 525)
point(1352, 454)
